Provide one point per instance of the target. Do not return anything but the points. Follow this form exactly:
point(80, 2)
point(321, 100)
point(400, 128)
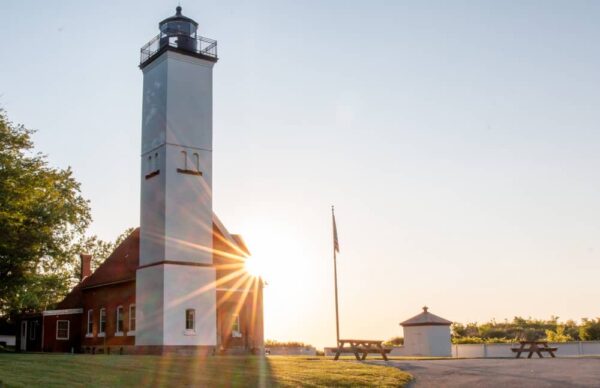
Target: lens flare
point(253, 267)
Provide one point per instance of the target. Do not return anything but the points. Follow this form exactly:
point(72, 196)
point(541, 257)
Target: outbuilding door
point(23, 336)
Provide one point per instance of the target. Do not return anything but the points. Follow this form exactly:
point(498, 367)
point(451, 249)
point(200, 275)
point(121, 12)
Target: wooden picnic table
point(534, 347)
point(360, 348)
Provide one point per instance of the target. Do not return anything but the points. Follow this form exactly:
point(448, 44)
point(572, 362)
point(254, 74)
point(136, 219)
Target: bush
point(394, 341)
point(590, 330)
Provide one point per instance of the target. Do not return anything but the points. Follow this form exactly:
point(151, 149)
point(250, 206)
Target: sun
point(254, 267)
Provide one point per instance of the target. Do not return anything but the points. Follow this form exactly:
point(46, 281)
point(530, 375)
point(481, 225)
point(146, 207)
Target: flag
point(336, 244)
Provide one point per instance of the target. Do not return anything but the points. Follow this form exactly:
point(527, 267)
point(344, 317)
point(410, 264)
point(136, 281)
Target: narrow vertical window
point(62, 330)
point(156, 161)
point(184, 156)
point(120, 319)
point(90, 322)
point(190, 318)
point(149, 167)
point(235, 326)
point(102, 329)
point(32, 330)
point(131, 317)
point(197, 161)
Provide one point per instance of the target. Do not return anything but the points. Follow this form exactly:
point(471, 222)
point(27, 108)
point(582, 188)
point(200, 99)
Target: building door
point(23, 335)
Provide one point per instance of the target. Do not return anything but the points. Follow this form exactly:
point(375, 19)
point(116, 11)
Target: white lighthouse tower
point(175, 281)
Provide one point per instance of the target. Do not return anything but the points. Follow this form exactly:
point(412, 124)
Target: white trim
point(189, 332)
point(89, 335)
point(61, 312)
point(68, 329)
point(131, 333)
point(118, 334)
point(101, 334)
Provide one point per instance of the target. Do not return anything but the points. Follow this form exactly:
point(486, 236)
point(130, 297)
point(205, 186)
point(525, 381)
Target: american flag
point(336, 244)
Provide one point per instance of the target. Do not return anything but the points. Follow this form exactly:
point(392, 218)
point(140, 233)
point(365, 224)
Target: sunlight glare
point(253, 267)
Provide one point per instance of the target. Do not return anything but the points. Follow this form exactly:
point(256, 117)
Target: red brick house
point(98, 315)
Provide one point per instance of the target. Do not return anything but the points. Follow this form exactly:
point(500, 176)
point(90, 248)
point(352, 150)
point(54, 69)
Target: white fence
point(291, 351)
point(565, 349)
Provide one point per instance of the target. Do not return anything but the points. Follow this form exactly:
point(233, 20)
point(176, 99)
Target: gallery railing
point(197, 45)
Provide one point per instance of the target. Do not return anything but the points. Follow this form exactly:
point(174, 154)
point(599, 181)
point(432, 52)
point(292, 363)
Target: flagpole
point(335, 248)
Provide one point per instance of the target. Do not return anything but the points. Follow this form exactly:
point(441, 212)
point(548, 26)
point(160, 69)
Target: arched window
point(190, 319)
point(184, 155)
point(197, 161)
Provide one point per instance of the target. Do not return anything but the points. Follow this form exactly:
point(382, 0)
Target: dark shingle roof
point(426, 319)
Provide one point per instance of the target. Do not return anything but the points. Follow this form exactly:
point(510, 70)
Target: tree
point(590, 330)
point(42, 212)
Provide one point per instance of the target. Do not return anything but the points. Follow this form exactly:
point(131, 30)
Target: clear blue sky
point(458, 140)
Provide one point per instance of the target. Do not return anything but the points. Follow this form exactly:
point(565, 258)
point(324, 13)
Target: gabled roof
point(426, 319)
point(120, 265)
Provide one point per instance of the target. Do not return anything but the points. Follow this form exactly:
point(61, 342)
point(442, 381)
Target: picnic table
point(360, 348)
point(534, 347)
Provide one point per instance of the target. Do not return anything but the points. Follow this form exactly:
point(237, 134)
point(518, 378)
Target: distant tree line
point(526, 329)
point(286, 344)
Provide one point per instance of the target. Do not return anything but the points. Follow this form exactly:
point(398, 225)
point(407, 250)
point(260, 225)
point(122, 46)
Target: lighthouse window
point(190, 318)
point(184, 155)
point(197, 160)
point(155, 161)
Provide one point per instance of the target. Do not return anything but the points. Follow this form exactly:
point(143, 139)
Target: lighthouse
point(176, 296)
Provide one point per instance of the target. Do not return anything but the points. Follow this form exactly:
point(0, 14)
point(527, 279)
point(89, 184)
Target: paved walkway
point(505, 373)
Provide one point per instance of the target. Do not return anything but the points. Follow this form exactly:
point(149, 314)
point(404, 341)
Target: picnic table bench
point(360, 348)
point(534, 347)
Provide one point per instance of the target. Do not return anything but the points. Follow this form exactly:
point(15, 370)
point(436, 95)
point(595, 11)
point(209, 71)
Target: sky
point(457, 140)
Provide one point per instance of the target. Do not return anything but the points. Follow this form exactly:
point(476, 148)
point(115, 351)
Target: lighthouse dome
point(178, 25)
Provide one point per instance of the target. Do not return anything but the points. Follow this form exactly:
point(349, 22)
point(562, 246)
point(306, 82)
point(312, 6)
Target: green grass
point(61, 370)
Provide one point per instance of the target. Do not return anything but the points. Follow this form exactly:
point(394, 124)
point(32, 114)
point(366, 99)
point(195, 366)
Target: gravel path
point(505, 373)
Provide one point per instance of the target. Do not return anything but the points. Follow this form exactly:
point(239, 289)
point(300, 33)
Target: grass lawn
point(60, 370)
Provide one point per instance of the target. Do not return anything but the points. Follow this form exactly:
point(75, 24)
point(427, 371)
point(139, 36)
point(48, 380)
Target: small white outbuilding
point(427, 334)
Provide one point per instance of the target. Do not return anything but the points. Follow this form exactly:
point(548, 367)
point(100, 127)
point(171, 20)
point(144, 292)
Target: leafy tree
point(590, 330)
point(42, 212)
point(559, 335)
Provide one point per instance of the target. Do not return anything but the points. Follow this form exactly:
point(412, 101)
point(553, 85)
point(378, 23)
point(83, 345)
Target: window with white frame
point(120, 319)
point(62, 329)
point(235, 326)
point(90, 322)
point(131, 317)
point(190, 319)
point(102, 326)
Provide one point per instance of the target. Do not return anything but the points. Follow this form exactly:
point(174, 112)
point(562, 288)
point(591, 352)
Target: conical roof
point(426, 319)
point(178, 17)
